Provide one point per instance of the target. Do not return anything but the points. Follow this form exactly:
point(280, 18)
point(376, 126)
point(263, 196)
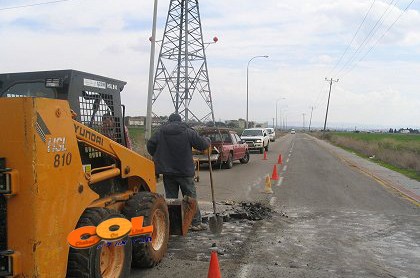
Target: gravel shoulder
point(407, 187)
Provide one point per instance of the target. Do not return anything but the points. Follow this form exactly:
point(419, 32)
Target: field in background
point(137, 139)
point(399, 152)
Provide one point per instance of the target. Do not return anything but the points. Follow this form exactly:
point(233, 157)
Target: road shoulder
point(408, 188)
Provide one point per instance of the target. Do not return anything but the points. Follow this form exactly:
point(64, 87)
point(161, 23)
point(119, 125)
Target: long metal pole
point(186, 93)
point(247, 86)
point(148, 132)
point(178, 75)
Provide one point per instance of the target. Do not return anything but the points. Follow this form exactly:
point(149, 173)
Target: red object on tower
point(215, 39)
point(214, 269)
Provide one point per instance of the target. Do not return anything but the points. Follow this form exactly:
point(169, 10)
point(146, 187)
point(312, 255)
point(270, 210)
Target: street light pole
point(310, 121)
point(247, 85)
point(277, 101)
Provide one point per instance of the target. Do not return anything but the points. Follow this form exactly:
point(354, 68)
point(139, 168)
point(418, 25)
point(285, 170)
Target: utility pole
point(273, 124)
point(303, 115)
point(310, 120)
point(328, 103)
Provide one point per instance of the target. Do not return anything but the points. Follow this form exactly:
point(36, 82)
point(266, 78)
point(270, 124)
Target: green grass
point(387, 140)
point(398, 152)
point(413, 174)
point(381, 136)
point(406, 172)
point(136, 132)
point(137, 138)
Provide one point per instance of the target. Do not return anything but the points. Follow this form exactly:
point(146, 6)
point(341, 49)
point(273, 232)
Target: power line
point(368, 37)
point(383, 35)
point(32, 5)
point(354, 36)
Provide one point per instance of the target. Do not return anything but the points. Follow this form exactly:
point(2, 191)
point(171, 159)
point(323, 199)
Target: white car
point(256, 138)
point(271, 134)
point(292, 131)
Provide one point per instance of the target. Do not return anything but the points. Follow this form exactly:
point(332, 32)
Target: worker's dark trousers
point(174, 183)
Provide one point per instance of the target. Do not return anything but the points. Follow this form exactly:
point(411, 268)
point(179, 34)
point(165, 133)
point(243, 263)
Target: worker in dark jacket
point(171, 148)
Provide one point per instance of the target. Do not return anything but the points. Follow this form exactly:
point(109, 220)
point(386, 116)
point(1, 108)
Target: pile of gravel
point(256, 211)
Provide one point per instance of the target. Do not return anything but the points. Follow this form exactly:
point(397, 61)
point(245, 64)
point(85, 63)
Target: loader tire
point(155, 211)
point(100, 261)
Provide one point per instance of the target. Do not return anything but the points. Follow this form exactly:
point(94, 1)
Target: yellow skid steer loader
point(65, 170)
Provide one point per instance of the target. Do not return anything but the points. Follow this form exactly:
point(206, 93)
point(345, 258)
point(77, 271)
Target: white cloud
point(304, 39)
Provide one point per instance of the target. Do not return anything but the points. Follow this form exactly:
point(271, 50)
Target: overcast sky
point(304, 41)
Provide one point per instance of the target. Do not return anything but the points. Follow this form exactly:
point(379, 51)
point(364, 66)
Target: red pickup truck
point(227, 147)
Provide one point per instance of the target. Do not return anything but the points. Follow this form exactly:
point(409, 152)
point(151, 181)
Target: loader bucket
point(181, 214)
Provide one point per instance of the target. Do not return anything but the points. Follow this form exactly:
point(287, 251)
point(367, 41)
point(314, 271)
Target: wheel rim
point(112, 261)
point(159, 231)
point(246, 158)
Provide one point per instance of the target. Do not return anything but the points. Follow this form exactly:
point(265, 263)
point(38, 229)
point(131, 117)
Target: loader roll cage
point(96, 101)
point(92, 97)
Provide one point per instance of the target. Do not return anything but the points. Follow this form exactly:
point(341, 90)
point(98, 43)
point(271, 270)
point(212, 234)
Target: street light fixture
point(247, 84)
point(277, 101)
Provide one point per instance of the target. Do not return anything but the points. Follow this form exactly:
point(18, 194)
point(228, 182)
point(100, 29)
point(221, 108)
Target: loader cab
point(92, 97)
point(95, 99)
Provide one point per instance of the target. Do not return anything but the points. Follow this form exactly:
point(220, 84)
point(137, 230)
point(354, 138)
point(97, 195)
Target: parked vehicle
point(292, 131)
point(256, 138)
point(271, 133)
point(227, 147)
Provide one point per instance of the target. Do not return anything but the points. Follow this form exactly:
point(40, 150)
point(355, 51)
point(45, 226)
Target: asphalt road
point(329, 220)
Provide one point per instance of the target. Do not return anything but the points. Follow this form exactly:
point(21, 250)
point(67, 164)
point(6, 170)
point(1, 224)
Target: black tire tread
point(242, 160)
point(78, 262)
point(141, 204)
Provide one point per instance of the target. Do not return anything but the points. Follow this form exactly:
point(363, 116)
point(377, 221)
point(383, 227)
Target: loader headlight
point(5, 183)
point(6, 266)
point(5, 187)
point(259, 141)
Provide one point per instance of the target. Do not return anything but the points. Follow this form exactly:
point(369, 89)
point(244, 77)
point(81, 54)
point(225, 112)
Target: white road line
point(244, 271)
point(290, 154)
point(280, 181)
point(284, 168)
point(287, 161)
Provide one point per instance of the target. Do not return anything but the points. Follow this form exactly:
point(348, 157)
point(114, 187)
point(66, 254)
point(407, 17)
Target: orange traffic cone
point(280, 161)
point(265, 155)
point(275, 176)
point(214, 269)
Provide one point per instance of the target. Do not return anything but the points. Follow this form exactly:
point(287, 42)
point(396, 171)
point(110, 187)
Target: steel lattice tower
point(182, 67)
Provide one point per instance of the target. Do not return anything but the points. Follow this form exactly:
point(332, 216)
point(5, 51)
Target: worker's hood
point(174, 128)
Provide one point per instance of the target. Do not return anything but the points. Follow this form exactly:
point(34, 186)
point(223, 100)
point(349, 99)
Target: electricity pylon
point(181, 70)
